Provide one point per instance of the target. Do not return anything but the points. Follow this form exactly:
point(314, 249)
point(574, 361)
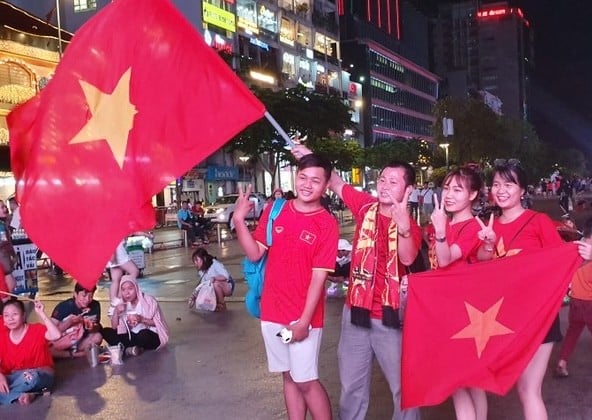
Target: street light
point(445, 147)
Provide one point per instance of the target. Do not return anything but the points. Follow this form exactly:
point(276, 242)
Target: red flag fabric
point(479, 325)
point(137, 100)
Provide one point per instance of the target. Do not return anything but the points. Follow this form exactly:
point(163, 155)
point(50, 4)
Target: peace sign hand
point(243, 205)
point(399, 212)
point(439, 217)
point(486, 234)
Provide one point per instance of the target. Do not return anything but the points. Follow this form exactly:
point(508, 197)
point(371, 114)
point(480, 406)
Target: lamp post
point(445, 147)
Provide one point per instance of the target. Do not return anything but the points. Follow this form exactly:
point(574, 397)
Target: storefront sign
point(218, 42)
point(219, 17)
point(25, 268)
point(259, 43)
point(222, 173)
point(248, 25)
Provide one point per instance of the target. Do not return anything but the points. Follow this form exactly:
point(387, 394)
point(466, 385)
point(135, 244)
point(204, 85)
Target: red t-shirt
point(31, 352)
point(531, 230)
point(464, 235)
point(359, 203)
point(301, 243)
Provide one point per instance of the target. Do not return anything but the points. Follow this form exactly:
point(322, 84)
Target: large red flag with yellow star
point(137, 100)
point(479, 325)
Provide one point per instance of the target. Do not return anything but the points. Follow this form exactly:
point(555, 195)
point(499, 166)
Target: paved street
point(214, 366)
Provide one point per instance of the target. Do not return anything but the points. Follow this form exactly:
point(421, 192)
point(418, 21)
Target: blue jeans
point(27, 380)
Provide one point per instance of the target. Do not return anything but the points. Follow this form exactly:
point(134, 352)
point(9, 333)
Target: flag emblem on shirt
point(308, 237)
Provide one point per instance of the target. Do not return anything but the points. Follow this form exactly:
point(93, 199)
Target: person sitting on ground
point(340, 277)
point(26, 364)
point(137, 322)
point(212, 270)
point(186, 221)
point(78, 320)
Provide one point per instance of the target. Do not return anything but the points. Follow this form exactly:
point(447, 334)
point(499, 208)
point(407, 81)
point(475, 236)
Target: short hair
point(15, 302)
point(316, 161)
point(79, 288)
point(587, 231)
point(467, 176)
point(408, 170)
point(205, 257)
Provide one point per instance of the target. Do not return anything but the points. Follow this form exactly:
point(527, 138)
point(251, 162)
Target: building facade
point(486, 50)
point(398, 94)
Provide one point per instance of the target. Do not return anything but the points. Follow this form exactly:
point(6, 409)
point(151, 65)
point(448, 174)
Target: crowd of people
point(388, 240)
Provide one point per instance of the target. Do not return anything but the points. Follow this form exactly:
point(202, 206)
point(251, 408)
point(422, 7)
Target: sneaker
point(561, 372)
point(133, 351)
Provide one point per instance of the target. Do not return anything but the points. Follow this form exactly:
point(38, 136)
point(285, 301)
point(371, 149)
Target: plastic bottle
point(93, 355)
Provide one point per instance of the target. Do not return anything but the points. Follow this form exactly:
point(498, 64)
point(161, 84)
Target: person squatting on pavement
point(385, 240)
point(303, 250)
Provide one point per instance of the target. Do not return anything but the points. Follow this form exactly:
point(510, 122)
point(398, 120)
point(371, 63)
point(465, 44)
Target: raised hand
point(486, 234)
point(243, 205)
point(439, 217)
point(399, 212)
point(584, 249)
point(299, 151)
point(39, 308)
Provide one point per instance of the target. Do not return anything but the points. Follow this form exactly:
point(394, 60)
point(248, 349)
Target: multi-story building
point(398, 94)
point(485, 48)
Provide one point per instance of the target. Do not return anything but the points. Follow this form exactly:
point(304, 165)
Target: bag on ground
point(206, 297)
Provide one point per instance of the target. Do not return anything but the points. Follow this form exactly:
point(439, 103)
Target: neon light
point(398, 20)
point(368, 7)
point(379, 14)
point(492, 12)
point(388, 15)
point(519, 11)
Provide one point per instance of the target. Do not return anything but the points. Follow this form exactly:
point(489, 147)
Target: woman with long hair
point(456, 242)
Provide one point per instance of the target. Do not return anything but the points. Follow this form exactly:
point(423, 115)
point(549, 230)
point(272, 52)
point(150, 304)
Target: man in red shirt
point(303, 250)
point(386, 239)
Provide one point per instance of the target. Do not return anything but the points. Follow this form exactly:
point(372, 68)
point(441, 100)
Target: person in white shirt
point(212, 270)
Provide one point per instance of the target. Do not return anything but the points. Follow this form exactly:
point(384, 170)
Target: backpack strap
point(278, 205)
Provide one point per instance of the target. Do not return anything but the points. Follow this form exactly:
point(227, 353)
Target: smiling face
point(13, 316)
point(311, 183)
point(456, 196)
point(391, 185)
point(83, 298)
point(506, 193)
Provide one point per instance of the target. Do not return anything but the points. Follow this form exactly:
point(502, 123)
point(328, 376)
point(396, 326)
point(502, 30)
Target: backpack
point(254, 271)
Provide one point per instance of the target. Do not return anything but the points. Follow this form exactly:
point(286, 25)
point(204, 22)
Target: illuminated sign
point(217, 42)
point(219, 17)
point(259, 43)
point(248, 25)
point(492, 12)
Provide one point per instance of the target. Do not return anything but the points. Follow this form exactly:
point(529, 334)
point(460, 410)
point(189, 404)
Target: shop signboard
point(222, 173)
point(219, 17)
point(25, 269)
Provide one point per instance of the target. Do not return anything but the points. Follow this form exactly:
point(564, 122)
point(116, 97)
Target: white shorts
point(301, 359)
point(119, 257)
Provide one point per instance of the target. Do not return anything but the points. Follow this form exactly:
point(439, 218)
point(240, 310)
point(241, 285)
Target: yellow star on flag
point(483, 326)
point(112, 116)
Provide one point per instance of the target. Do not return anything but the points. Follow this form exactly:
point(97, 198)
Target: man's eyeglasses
point(506, 162)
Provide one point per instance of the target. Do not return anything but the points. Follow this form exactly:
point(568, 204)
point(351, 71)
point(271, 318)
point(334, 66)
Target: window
point(84, 5)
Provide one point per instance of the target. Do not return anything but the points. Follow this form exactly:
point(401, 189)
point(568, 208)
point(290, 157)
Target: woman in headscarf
point(137, 322)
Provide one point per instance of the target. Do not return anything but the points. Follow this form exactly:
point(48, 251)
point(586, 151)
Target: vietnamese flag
point(480, 325)
point(137, 100)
